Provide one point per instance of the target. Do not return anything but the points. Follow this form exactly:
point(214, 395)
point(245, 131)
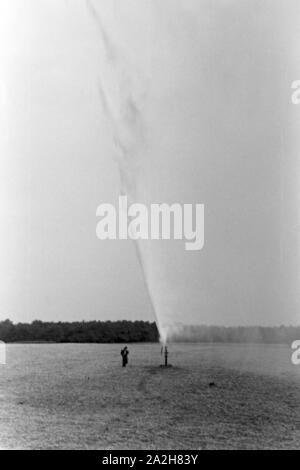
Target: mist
point(198, 94)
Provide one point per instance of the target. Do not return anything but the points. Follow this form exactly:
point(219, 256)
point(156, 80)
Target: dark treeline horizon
point(122, 331)
point(125, 331)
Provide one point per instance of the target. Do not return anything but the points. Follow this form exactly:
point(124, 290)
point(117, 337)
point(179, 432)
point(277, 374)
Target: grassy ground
point(79, 397)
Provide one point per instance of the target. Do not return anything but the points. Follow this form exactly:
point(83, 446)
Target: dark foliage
point(79, 332)
point(140, 331)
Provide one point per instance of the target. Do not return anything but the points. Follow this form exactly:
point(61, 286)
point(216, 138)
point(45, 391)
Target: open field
point(77, 396)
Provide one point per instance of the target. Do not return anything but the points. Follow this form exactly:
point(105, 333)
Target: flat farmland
point(219, 396)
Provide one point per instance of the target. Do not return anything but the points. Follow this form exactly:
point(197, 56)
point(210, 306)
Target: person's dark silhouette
point(124, 354)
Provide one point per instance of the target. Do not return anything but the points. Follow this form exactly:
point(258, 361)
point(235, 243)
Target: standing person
point(124, 354)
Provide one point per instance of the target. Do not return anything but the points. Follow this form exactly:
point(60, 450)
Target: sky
point(56, 168)
point(211, 82)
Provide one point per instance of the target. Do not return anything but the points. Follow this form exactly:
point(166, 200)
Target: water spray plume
point(197, 118)
point(121, 98)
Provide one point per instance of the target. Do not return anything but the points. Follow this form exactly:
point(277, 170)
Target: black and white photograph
point(149, 227)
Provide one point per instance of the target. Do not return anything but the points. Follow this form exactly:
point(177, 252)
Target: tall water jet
point(198, 93)
point(122, 92)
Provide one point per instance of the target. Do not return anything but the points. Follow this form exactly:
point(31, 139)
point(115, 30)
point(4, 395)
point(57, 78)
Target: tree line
point(79, 332)
point(140, 331)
